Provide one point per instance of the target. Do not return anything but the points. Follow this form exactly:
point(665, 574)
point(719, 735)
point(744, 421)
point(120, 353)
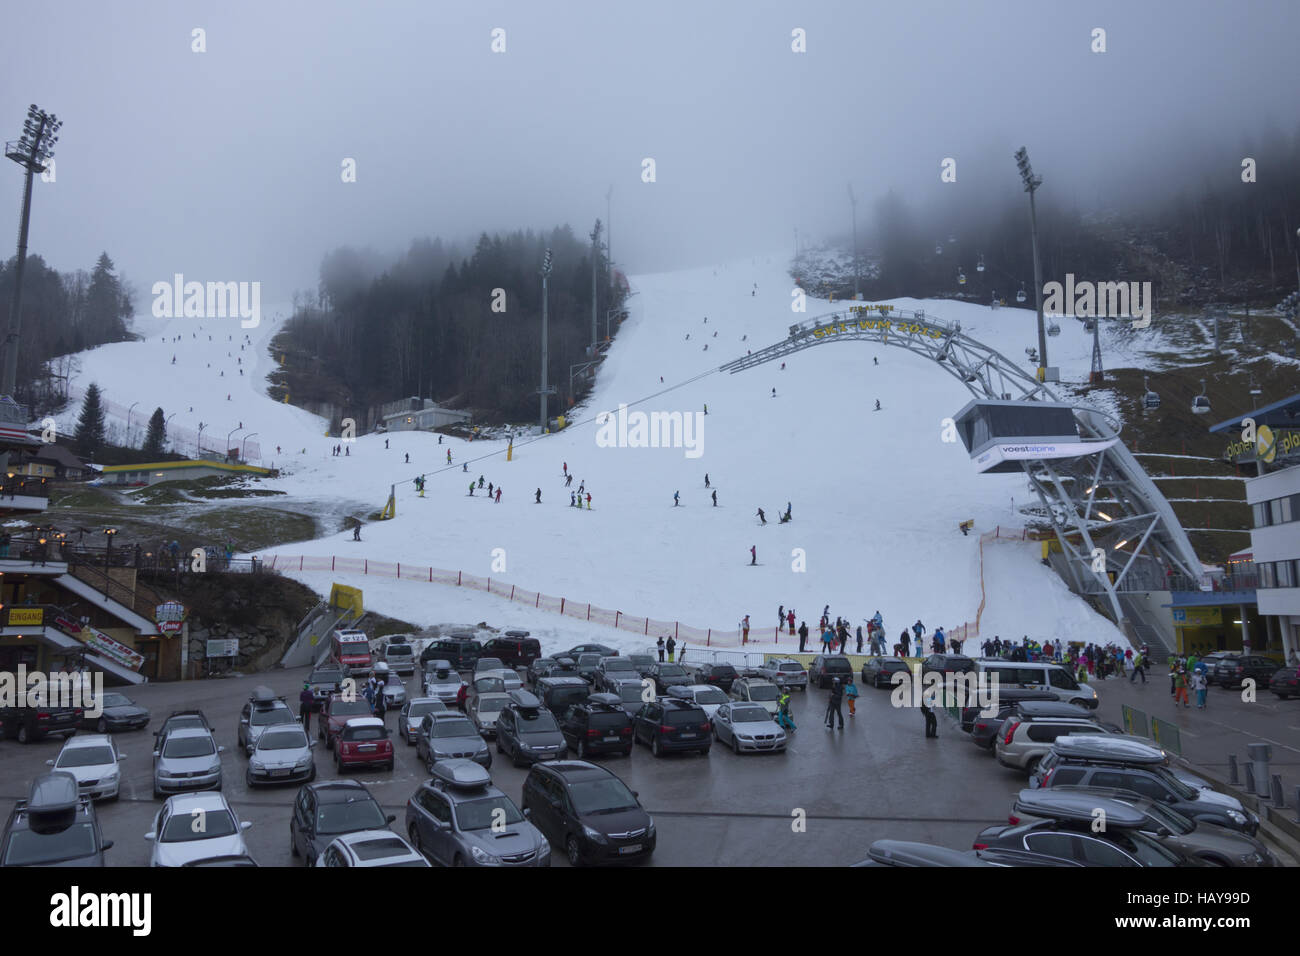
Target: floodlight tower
point(1032, 183)
point(545, 389)
point(32, 151)
point(853, 202)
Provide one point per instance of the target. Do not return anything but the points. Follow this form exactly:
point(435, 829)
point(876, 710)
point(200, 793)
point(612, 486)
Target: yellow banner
point(26, 616)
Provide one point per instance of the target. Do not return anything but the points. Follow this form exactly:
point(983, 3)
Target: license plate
point(630, 848)
point(611, 740)
point(366, 748)
point(687, 736)
point(279, 773)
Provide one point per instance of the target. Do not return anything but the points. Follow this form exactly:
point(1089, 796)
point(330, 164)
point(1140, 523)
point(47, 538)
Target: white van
point(1039, 675)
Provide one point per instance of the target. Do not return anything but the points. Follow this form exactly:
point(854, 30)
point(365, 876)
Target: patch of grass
point(240, 492)
point(252, 526)
point(160, 494)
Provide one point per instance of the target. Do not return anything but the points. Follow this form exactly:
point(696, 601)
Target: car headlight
point(303, 763)
point(484, 857)
point(109, 777)
point(1236, 817)
point(594, 835)
point(256, 765)
point(650, 830)
point(545, 850)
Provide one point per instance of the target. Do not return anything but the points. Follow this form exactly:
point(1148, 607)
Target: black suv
point(666, 674)
point(528, 732)
point(54, 826)
point(598, 725)
point(879, 671)
point(1231, 671)
point(323, 811)
point(670, 724)
point(516, 648)
point(325, 682)
point(947, 664)
point(462, 652)
point(721, 676)
point(558, 693)
point(589, 812)
point(826, 667)
point(31, 723)
point(588, 667)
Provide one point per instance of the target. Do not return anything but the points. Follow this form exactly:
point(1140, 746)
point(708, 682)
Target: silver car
point(447, 736)
point(394, 693)
point(747, 726)
point(458, 818)
point(189, 760)
point(93, 760)
point(709, 698)
point(758, 691)
point(509, 676)
point(443, 682)
point(178, 837)
point(485, 664)
point(370, 848)
point(413, 711)
point(400, 658)
point(282, 755)
point(262, 710)
point(785, 672)
point(483, 710)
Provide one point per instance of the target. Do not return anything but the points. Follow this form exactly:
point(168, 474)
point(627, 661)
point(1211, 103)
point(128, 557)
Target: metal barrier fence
point(1134, 721)
point(1167, 735)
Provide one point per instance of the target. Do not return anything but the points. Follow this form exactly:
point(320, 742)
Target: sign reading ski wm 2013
point(875, 325)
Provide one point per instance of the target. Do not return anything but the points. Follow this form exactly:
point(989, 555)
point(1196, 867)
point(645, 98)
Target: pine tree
point(89, 436)
point(156, 436)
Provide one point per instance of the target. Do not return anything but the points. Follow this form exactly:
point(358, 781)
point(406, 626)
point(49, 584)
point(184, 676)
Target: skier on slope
point(675, 499)
point(762, 517)
point(538, 499)
point(471, 489)
point(706, 479)
point(753, 555)
point(715, 498)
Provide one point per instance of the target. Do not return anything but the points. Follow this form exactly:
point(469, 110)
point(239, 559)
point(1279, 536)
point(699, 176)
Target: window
point(1261, 514)
point(1103, 854)
point(1267, 576)
point(1067, 777)
point(1059, 678)
point(438, 808)
point(1059, 845)
point(1285, 574)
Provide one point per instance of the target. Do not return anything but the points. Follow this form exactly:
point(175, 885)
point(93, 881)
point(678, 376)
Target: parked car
point(324, 682)
point(708, 698)
point(370, 848)
point(31, 723)
point(1065, 827)
point(461, 652)
point(282, 755)
point(394, 693)
point(558, 694)
point(1026, 736)
point(178, 719)
point(447, 736)
point(668, 725)
point(516, 648)
point(759, 691)
point(642, 663)
point(539, 668)
point(117, 712)
point(330, 808)
point(443, 682)
point(589, 812)
point(1231, 671)
point(1285, 682)
point(337, 712)
point(413, 711)
point(879, 671)
point(947, 664)
point(55, 826)
point(1142, 770)
point(400, 658)
point(177, 841)
point(588, 667)
point(483, 711)
point(93, 759)
point(785, 672)
point(631, 693)
point(827, 667)
point(613, 670)
point(264, 709)
point(902, 853)
point(746, 726)
point(1038, 675)
point(598, 725)
point(666, 674)
point(459, 818)
point(1113, 747)
point(485, 664)
point(508, 677)
point(187, 759)
point(364, 742)
point(487, 684)
point(528, 732)
point(1007, 696)
point(721, 676)
point(236, 859)
point(598, 649)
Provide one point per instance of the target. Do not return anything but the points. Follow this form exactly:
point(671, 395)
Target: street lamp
point(854, 203)
point(228, 434)
point(108, 553)
point(128, 422)
point(243, 448)
point(198, 445)
point(33, 151)
point(545, 389)
point(609, 243)
point(1032, 183)
point(167, 424)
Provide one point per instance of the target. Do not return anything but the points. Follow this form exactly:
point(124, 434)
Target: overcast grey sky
point(225, 165)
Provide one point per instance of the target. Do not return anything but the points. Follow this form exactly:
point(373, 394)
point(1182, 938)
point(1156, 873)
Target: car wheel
point(114, 797)
point(101, 725)
point(338, 764)
point(428, 765)
point(391, 763)
point(413, 834)
point(313, 774)
point(628, 752)
point(458, 861)
point(735, 745)
point(499, 750)
point(655, 748)
point(572, 851)
point(1032, 767)
point(23, 737)
point(248, 782)
point(581, 750)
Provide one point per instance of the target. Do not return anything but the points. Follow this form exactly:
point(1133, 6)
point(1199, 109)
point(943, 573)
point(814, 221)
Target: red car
point(364, 742)
point(336, 712)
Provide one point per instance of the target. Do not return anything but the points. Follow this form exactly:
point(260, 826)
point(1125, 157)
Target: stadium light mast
point(32, 151)
point(595, 261)
point(609, 234)
point(1032, 183)
point(854, 203)
point(545, 389)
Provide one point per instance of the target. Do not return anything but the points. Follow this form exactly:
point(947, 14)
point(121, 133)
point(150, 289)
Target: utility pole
point(33, 152)
point(1032, 183)
point(545, 389)
point(609, 234)
point(595, 260)
point(854, 203)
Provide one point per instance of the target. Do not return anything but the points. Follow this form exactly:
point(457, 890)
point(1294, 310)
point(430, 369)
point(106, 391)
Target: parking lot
point(878, 778)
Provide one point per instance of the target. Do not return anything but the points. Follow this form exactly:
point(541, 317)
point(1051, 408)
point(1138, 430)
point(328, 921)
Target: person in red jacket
point(498, 500)
point(789, 619)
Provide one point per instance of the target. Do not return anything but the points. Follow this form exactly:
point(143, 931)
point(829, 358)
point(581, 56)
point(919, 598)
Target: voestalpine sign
point(1035, 451)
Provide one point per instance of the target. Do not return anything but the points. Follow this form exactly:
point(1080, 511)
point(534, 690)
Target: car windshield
point(459, 727)
point(588, 660)
point(349, 708)
point(282, 740)
point(488, 664)
point(27, 847)
point(478, 814)
point(723, 670)
point(1177, 786)
point(117, 700)
point(399, 650)
point(709, 695)
point(631, 693)
point(184, 827)
point(423, 707)
point(86, 757)
point(640, 660)
point(443, 674)
point(189, 747)
point(791, 667)
point(364, 733)
point(1175, 822)
point(536, 721)
point(745, 715)
point(762, 692)
point(264, 717)
point(671, 670)
point(347, 817)
point(601, 796)
point(618, 664)
point(180, 723)
point(490, 703)
point(326, 677)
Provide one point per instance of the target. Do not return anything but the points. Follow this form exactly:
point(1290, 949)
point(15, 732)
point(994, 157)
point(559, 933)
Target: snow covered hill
point(876, 495)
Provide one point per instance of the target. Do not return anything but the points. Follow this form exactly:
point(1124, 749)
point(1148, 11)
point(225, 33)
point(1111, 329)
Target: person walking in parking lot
point(1199, 684)
point(381, 702)
point(833, 705)
point(306, 700)
point(1181, 680)
point(931, 725)
point(1139, 667)
point(851, 692)
point(660, 645)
